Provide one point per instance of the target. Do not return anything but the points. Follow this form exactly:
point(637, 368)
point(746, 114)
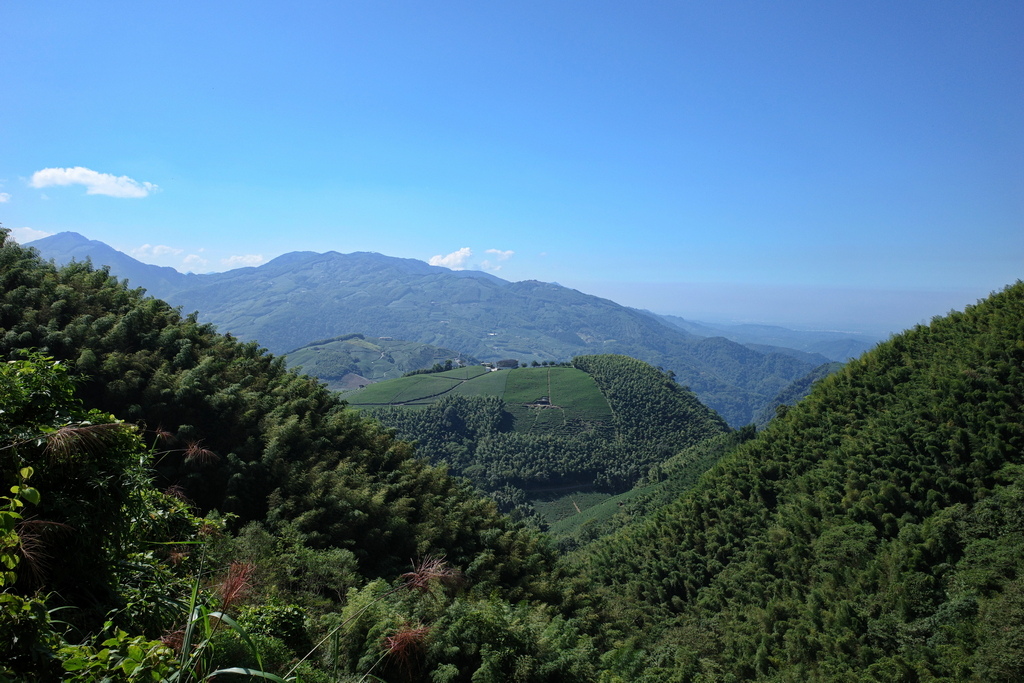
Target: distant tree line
point(437, 367)
point(476, 437)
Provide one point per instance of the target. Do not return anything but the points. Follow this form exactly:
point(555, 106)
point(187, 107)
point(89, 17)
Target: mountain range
point(872, 532)
point(833, 344)
point(301, 297)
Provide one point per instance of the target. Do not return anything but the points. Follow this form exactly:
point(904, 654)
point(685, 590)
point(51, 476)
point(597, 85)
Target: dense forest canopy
point(304, 296)
point(178, 503)
point(317, 508)
point(872, 533)
point(516, 451)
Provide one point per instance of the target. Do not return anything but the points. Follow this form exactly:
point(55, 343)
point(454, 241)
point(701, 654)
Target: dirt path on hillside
point(415, 401)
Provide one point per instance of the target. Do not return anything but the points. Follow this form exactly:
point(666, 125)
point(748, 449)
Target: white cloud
point(194, 263)
point(94, 181)
point(454, 260)
point(487, 265)
point(242, 260)
point(156, 250)
point(24, 235)
point(502, 255)
point(4, 197)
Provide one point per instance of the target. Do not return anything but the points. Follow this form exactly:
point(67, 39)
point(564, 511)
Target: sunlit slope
point(540, 399)
point(233, 430)
point(872, 533)
point(528, 434)
point(345, 363)
point(302, 296)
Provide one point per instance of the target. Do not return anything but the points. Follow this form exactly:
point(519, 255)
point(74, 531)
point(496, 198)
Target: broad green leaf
point(75, 664)
point(31, 495)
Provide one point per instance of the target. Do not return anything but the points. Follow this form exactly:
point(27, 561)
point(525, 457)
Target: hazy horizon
point(796, 163)
point(872, 313)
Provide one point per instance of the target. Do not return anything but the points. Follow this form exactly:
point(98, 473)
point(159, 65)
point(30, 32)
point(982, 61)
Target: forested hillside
point(833, 345)
point(603, 423)
point(279, 441)
point(874, 532)
point(303, 296)
point(320, 527)
point(352, 361)
point(242, 516)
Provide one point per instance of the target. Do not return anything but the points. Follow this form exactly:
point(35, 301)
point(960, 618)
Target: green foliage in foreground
point(239, 433)
point(875, 532)
point(156, 580)
point(327, 503)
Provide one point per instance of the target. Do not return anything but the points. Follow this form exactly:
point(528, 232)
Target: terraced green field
point(527, 385)
point(577, 391)
point(572, 394)
point(468, 372)
point(558, 509)
point(487, 384)
point(418, 388)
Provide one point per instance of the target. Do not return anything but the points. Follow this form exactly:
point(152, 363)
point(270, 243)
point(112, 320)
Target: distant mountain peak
point(65, 247)
point(302, 295)
point(69, 239)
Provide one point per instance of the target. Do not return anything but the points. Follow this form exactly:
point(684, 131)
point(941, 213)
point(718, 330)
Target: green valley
point(180, 506)
point(300, 297)
point(527, 434)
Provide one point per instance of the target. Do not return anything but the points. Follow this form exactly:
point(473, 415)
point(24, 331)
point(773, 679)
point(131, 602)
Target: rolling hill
point(303, 296)
point(527, 433)
point(352, 361)
point(873, 533)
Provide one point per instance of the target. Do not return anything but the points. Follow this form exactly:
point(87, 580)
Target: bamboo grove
point(178, 505)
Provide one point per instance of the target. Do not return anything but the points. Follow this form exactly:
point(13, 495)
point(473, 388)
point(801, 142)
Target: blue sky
point(841, 164)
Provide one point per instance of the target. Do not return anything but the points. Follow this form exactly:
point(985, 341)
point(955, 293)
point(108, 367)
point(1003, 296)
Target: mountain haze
point(830, 344)
point(873, 532)
point(304, 296)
